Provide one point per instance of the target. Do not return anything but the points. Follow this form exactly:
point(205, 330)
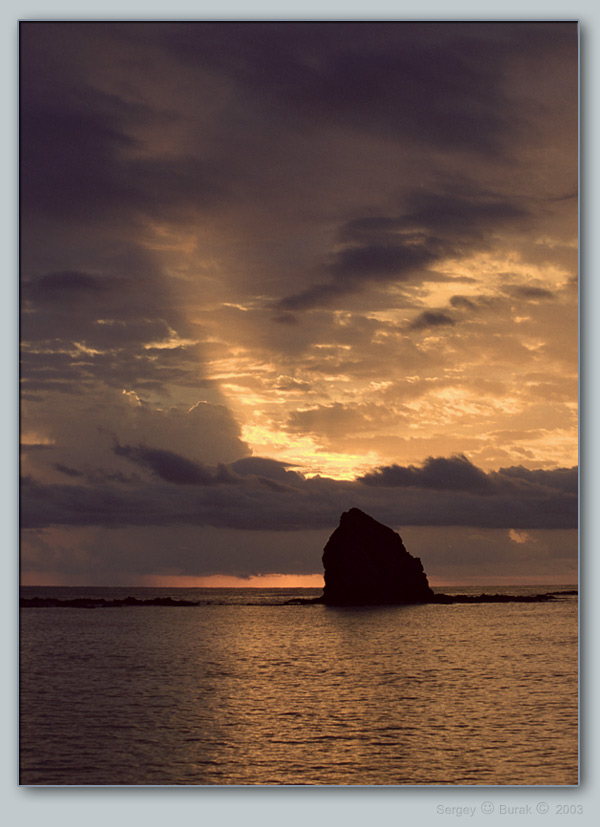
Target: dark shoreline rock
point(99, 602)
point(493, 598)
point(366, 563)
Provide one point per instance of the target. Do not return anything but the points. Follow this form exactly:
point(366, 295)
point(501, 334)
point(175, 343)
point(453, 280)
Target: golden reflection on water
point(249, 694)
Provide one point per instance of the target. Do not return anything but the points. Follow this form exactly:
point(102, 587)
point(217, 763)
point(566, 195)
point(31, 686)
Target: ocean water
point(245, 690)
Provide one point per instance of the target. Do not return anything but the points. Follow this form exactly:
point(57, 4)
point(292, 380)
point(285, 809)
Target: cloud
point(430, 319)
point(63, 285)
point(463, 211)
point(267, 468)
point(83, 163)
point(459, 473)
point(435, 225)
point(373, 77)
point(463, 303)
point(439, 473)
point(442, 492)
point(328, 420)
point(285, 319)
point(70, 472)
point(173, 468)
point(378, 260)
point(354, 265)
point(179, 441)
point(565, 480)
point(97, 325)
point(530, 292)
point(520, 537)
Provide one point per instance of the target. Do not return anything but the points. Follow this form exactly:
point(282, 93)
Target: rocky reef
point(366, 563)
point(99, 602)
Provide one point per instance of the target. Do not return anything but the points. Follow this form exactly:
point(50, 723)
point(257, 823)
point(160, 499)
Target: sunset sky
point(270, 272)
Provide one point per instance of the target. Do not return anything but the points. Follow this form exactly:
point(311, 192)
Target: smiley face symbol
point(487, 807)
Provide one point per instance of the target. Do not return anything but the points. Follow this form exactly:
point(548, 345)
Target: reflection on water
point(228, 693)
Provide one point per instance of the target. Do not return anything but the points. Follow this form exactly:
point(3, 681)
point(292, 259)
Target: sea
point(245, 688)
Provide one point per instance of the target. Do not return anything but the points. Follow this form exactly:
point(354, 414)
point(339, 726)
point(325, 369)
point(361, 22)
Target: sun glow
point(305, 453)
point(223, 581)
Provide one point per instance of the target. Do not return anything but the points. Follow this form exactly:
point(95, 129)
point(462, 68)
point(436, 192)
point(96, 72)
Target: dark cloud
point(263, 467)
point(354, 267)
point(81, 163)
point(534, 293)
point(439, 473)
point(378, 260)
point(466, 214)
point(459, 474)
point(64, 285)
point(559, 479)
point(69, 156)
point(87, 505)
point(435, 225)
point(285, 319)
point(431, 318)
point(268, 497)
point(70, 472)
point(373, 77)
point(463, 303)
point(173, 468)
point(321, 295)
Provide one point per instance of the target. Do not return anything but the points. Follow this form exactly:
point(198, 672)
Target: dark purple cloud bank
point(432, 83)
point(262, 494)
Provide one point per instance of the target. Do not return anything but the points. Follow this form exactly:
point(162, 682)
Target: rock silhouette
point(366, 563)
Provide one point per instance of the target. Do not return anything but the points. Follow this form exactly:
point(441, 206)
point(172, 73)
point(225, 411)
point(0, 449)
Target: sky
point(270, 272)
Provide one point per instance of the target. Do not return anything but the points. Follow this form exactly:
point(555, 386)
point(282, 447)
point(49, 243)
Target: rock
point(366, 563)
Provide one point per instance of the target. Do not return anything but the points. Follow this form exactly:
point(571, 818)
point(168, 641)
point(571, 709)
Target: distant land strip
point(102, 603)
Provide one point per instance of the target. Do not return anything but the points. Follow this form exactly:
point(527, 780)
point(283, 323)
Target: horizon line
point(273, 581)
